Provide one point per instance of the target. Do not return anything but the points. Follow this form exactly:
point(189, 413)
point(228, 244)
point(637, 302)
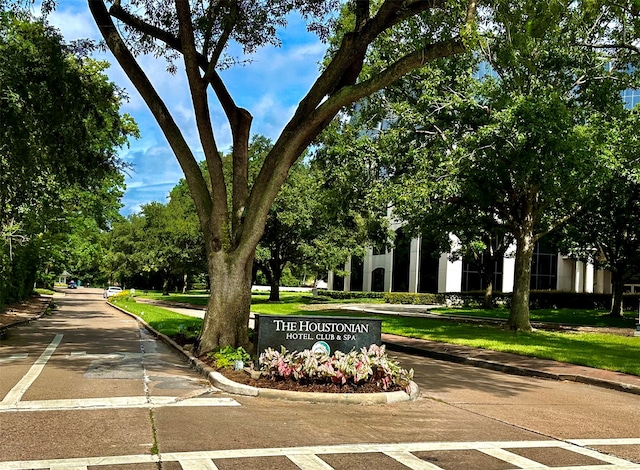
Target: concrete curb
point(223, 383)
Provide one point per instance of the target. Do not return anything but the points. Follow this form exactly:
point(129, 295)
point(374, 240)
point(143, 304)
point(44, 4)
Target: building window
point(357, 273)
point(544, 267)
point(472, 278)
point(631, 97)
point(377, 280)
point(401, 259)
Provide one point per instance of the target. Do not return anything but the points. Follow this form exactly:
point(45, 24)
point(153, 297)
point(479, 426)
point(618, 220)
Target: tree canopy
point(506, 140)
point(61, 129)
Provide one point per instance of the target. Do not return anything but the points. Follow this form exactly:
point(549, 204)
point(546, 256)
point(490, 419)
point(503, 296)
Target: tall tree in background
point(201, 34)
point(607, 230)
point(61, 129)
point(519, 146)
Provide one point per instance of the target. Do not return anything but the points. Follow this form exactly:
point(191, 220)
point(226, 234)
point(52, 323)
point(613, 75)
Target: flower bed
point(366, 370)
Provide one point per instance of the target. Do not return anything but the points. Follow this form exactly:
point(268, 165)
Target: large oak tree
point(200, 33)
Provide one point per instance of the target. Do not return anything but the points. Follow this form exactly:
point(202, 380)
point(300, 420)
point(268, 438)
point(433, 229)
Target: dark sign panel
point(297, 333)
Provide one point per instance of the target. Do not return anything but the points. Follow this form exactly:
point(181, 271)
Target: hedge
point(343, 295)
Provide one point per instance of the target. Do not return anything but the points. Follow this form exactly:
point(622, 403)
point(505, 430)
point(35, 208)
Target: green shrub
point(344, 295)
point(412, 298)
point(226, 357)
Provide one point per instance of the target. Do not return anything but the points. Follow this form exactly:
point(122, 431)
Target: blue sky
point(270, 88)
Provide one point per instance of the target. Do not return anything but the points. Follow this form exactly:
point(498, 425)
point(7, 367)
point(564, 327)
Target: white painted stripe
point(80, 462)
point(308, 455)
point(409, 460)
point(197, 465)
point(600, 456)
point(513, 459)
point(309, 462)
point(606, 442)
point(68, 467)
point(14, 357)
point(114, 403)
point(16, 393)
point(593, 467)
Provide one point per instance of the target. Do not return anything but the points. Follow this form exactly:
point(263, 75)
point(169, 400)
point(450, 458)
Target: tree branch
point(198, 89)
point(196, 183)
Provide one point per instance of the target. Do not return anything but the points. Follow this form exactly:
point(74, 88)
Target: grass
point(161, 319)
point(42, 291)
point(193, 299)
point(603, 351)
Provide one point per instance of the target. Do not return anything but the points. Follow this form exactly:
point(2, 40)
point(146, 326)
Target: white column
point(589, 272)
point(508, 274)
point(367, 270)
point(388, 270)
point(414, 264)
point(578, 282)
point(347, 278)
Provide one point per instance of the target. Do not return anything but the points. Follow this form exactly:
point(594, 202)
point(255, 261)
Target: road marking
point(14, 357)
point(198, 465)
point(409, 460)
point(307, 457)
point(513, 459)
point(309, 462)
point(16, 393)
point(114, 403)
point(606, 442)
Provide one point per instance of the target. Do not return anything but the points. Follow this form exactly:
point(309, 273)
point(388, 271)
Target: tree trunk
point(274, 281)
point(617, 285)
point(488, 296)
point(226, 322)
point(165, 285)
point(519, 314)
point(274, 294)
point(488, 273)
point(185, 283)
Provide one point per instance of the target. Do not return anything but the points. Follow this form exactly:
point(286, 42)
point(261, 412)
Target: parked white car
point(111, 290)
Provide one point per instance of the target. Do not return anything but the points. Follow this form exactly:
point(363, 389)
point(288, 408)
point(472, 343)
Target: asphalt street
point(89, 388)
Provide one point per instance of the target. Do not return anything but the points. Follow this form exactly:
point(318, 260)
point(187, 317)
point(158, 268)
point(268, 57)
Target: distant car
point(72, 285)
point(111, 290)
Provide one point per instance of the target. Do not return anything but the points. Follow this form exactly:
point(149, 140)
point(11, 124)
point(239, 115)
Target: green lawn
point(161, 319)
point(605, 351)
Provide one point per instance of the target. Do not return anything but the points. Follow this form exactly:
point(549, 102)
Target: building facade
point(412, 267)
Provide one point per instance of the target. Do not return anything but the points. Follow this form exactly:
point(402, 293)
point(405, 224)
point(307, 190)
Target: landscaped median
point(163, 323)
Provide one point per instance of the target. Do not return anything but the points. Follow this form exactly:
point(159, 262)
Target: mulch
point(21, 312)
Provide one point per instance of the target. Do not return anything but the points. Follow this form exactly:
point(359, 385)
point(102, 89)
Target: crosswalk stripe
point(16, 393)
point(197, 465)
point(114, 403)
point(307, 458)
point(309, 462)
point(513, 459)
point(414, 463)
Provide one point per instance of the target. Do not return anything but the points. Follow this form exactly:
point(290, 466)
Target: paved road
point(87, 388)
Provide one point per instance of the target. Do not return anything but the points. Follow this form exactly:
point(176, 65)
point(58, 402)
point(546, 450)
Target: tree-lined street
point(88, 388)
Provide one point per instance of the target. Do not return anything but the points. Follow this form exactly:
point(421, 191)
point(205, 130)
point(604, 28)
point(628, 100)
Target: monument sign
point(297, 333)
